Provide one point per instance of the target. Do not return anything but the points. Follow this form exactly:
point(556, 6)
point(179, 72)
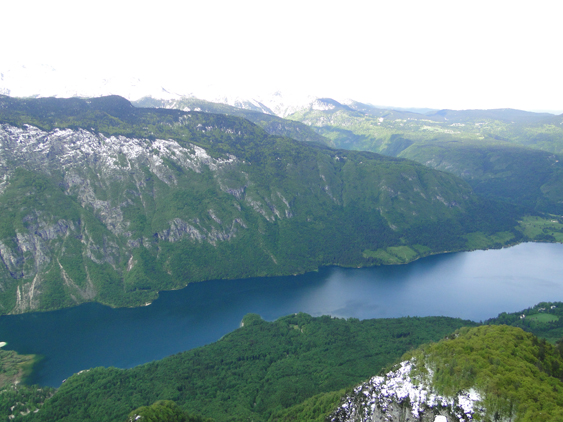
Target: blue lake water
point(471, 285)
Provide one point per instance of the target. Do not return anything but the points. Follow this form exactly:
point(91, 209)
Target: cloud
point(439, 54)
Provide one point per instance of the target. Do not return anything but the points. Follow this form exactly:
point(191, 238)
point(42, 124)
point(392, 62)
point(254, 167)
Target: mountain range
point(105, 201)
point(41, 81)
point(504, 154)
point(111, 201)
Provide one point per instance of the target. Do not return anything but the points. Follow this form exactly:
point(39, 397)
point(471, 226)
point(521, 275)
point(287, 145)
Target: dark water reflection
point(472, 285)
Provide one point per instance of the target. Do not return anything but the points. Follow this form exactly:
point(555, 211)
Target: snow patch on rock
point(405, 396)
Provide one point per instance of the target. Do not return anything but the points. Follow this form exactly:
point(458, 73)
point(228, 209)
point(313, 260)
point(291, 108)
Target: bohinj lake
point(471, 285)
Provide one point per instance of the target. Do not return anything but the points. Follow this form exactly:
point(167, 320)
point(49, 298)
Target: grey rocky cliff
point(91, 163)
point(400, 396)
point(89, 166)
point(99, 217)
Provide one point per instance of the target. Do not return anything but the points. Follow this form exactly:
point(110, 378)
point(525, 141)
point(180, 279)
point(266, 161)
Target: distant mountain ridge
point(506, 154)
point(268, 121)
point(41, 81)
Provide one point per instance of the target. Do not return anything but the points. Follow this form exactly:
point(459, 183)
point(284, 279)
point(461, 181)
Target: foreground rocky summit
point(487, 373)
point(398, 397)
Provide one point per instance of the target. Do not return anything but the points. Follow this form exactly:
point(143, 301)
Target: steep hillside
point(295, 369)
point(546, 134)
point(490, 373)
point(163, 411)
point(467, 143)
point(107, 202)
point(362, 127)
point(499, 170)
point(504, 154)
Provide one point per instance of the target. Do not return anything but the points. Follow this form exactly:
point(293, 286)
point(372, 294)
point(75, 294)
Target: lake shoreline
point(415, 258)
point(474, 285)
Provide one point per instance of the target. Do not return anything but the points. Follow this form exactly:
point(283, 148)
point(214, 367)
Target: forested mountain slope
point(297, 367)
point(506, 154)
point(363, 127)
point(544, 320)
point(104, 201)
point(489, 373)
point(496, 169)
point(498, 152)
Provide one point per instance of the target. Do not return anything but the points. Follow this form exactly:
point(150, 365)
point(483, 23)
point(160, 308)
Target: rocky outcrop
point(31, 252)
point(180, 229)
point(400, 396)
point(27, 296)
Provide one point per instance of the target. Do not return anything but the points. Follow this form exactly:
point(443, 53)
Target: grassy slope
point(545, 320)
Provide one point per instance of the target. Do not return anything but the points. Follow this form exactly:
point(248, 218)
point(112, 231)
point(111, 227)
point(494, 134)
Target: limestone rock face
point(400, 396)
point(110, 179)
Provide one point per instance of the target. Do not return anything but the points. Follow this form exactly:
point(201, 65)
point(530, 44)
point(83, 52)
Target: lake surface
point(471, 285)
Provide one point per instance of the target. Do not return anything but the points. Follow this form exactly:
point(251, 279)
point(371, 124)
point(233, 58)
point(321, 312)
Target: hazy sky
point(440, 54)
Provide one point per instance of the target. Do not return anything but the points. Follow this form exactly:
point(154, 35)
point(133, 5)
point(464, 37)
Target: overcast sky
point(438, 54)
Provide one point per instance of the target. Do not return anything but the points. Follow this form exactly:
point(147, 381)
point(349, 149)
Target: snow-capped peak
point(41, 80)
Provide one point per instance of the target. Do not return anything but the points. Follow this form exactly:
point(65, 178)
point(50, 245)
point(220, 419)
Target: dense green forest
point(257, 372)
point(164, 411)
point(296, 368)
point(520, 376)
point(545, 320)
point(498, 169)
point(17, 398)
